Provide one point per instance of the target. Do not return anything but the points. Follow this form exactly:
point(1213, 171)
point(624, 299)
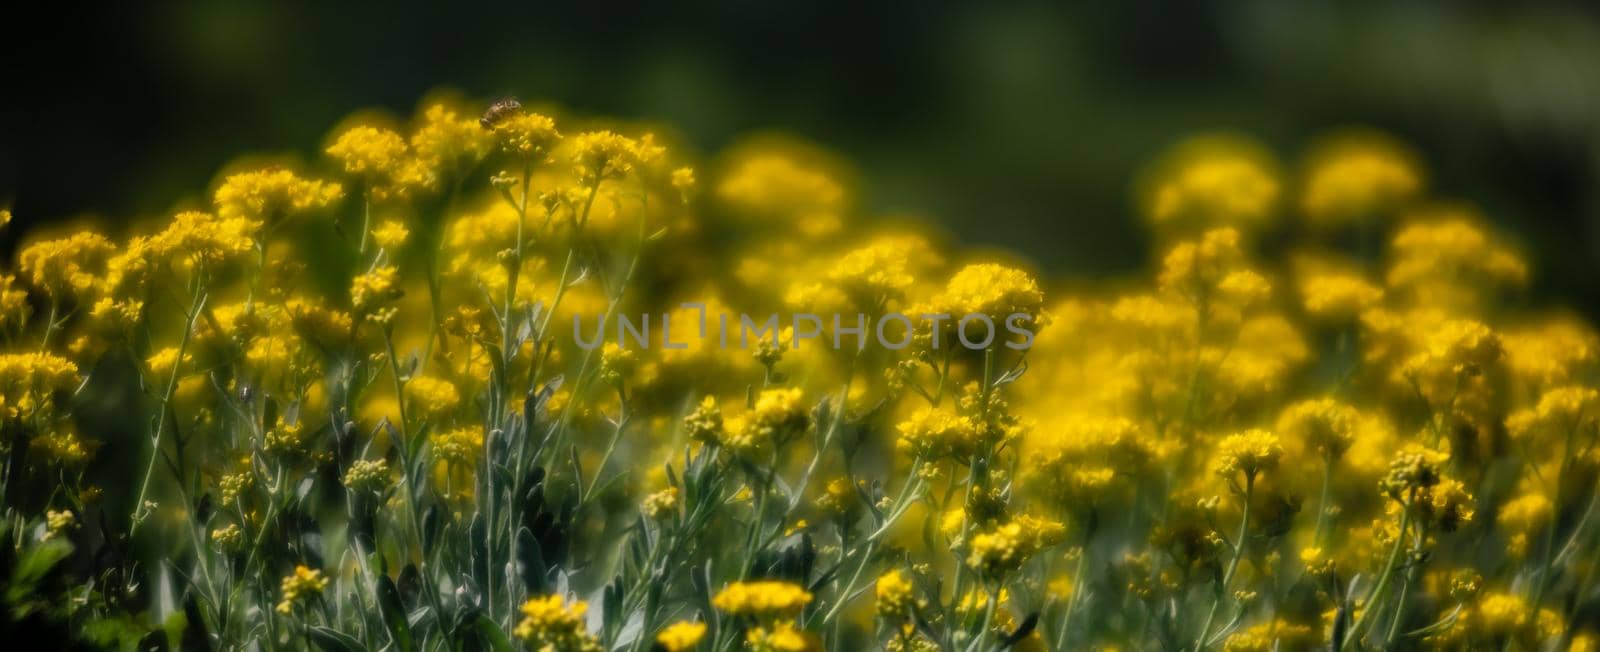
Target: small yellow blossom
point(374, 288)
point(778, 416)
point(933, 433)
point(272, 193)
point(549, 623)
point(459, 446)
point(782, 637)
point(431, 398)
point(681, 636)
point(391, 234)
point(660, 504)
point(58, 522)
point(1213, 180)
point(529, 136)
point(763, 600)
point(895, 595)
point(367, 475)
point(67, 267)
point(300, 588)
point(228, 537)
point(1249, 452)
point(1358, 175)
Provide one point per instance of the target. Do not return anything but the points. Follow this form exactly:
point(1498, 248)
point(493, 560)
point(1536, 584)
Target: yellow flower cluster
point(681, 636)
point(778, 416)
point(1249, 452)
point(272, 194)
point(895, 595)
point(1008, 545)
point(549, 623)
point(300, 588)
point(763, 600)
point(30, 382)
point(367, 475)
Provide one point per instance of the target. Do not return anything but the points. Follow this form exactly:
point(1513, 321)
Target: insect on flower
point(498, 111)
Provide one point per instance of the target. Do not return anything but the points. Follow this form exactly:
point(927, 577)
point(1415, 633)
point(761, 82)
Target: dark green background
point(1016, 124)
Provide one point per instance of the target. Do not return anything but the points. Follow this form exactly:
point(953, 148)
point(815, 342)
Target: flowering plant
point(348, 415)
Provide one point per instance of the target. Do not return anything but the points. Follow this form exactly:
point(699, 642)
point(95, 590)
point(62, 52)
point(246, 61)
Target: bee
point(498, 111)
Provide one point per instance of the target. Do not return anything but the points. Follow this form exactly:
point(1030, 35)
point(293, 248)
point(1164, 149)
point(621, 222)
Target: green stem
point(139, 512)
point(1383, 580)
point(1233, 564)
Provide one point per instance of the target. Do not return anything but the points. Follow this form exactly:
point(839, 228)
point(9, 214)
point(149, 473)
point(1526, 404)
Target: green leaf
point(332, 640)
point(491, 633)
point(394, 614)
point(35, 564)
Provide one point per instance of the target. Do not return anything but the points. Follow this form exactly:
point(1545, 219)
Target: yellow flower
point(368, 150)
point(301, 587)
point(932, 433)
point(285, 437)
point(1270, 636)
point(778, 416)
point(374, 288)
point(272, 193)
point(782, 637)
point(681, 636)
point(1550, 350)
point(882, 268)
point(29, 382)
point(431, 398)
point(67, 267)
point(164, 362)
point(988, 289)
point(683, 181)
point(529, 136)
point(14, 308)
point(448, 142)
point(1323, 425)
point(548, 623)
point(1443, 256)
point(840, 499)
point(781, 185)
point(660, 504)
point(1212, 180)
point(61, 445)
point(460, 446)
point(1524, 517)
point(895, 595)
point(704, 424)
point(1249, 452)
point(391, 234)
point(58, 522)
point(319, 323)
point(1005, 547)
point(196, 238)
point(233, 485)
point(367, 475)
point(1338, 297)
point(228, 537)
point(1501, 614)
point(1358, 175)
point(601, 155)
point(763, 600)
point(616, 363)
point(1446, 504)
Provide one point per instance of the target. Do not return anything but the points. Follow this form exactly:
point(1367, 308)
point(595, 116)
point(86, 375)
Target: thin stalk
point(139, 512)
point(1383, 580)
point(1233, 564)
